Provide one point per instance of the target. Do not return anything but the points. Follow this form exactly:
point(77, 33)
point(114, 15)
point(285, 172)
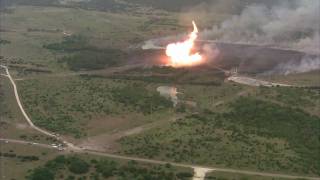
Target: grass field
point(14, 167)
point(211, 128)
point(70, 105)
point(90, 105)
point(29, 28)
point(252, 134)
point(303, 79)
point(39, 163)
point(84, 167)
point(73, 68)
point(302, 98)
point(235, 176)
point(12, 124)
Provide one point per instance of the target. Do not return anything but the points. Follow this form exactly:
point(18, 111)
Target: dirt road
point(200, 171)
point(80, 150)
point(254, 82)
point(70, 145)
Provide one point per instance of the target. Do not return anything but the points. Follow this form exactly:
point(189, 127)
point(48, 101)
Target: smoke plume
point(279, 24)
point(306, 64)
point(291, 25)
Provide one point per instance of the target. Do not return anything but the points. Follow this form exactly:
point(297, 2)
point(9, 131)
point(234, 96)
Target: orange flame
point(180, 53)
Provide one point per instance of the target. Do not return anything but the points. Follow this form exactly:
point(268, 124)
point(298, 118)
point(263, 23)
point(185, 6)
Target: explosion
point(180, 53)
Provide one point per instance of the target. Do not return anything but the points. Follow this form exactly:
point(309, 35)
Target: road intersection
point(200, 171)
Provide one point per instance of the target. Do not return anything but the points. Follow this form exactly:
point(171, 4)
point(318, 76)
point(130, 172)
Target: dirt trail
point(253, 82)
point(107, 142)
point(15, 89)
point(200, 171)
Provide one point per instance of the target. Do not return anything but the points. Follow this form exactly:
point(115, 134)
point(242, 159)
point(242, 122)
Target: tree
point(78, 166)
point(41, 173)
point(106, 168)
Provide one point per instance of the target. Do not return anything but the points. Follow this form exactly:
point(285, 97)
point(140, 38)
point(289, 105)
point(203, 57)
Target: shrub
point(78, 166)
point(106, 168)
point(42, 173)
point(183, 175)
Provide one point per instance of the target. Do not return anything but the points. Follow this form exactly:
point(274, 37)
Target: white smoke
point(162, 42)
point(280, 26)
point(308, 44)
point(307, 63)
point(292, 25)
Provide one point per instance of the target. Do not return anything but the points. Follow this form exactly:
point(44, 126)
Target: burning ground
point(274, 38)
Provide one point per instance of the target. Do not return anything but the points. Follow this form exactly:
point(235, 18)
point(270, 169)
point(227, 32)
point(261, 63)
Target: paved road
point(80, 150)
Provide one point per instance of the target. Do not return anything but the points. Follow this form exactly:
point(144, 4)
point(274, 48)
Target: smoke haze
point(306, 64)
point(293, 25)
point(280, 24)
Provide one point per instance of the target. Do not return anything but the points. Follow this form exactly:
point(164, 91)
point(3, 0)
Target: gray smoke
point(306, 64)
point(286, 26)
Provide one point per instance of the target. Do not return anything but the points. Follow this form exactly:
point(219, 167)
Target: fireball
point(180, 54)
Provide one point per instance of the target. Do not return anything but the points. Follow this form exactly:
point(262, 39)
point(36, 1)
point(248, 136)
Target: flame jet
point(180, 53)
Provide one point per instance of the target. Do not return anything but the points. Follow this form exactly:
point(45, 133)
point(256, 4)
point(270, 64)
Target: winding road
point(16, 94)
point(200, 171)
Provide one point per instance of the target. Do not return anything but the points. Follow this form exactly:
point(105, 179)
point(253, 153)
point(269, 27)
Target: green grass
point(90, 60)
point(17, 165)
point(235, 176)
point(139, 99)
point(303, 98)
point(79, 167)
point(13, 125)
point(32, 162)
point(277, 131)
point(253, 134)
point(211, 97)
point(67, 104)
point(32, 27)
point(181, 5)
point(301, 79)
point(83, 56)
